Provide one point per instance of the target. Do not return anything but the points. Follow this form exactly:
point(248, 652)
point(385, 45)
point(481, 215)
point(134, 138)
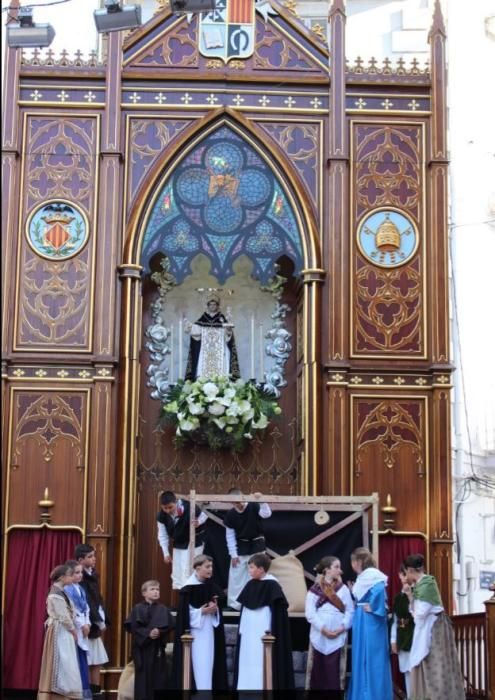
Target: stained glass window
point(223, 200)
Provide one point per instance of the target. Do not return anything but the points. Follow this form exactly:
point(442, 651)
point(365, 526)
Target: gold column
point(311, 477)
point(125, 515)
point(440, 505)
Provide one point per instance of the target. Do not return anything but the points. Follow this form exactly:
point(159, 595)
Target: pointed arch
point(271, 153)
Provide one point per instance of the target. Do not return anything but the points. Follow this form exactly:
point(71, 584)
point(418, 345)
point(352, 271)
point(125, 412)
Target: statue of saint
point(212, 350)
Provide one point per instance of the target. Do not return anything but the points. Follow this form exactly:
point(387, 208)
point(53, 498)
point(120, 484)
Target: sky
point(73, 22)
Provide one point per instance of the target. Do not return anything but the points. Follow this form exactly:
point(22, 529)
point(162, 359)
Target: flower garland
point(218, 412)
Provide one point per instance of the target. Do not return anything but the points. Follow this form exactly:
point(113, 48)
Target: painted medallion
point(57, 230)
point(387, 237)
point(228, 31)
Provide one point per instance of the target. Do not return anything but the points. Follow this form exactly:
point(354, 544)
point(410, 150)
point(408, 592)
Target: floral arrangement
point(218, 412)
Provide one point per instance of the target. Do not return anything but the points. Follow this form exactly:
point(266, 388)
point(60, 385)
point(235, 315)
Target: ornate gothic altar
point(310, 192)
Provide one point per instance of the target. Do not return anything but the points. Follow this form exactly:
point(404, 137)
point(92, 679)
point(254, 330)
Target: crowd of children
point(73, 651)
point(420, 634)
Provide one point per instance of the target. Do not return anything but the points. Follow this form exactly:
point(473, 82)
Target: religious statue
point(212, 349)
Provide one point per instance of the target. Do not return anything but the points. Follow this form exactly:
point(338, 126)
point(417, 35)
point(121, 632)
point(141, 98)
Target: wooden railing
point(471, 642)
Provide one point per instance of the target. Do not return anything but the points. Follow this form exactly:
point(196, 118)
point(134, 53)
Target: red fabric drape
point(31, 555)
point(393, 550)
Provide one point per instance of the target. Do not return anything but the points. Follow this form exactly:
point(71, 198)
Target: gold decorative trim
point(228, 91)
point(389, 93)
point(19, 526)
point(76, 86)
point(7, 527)
point(64, 105)
point(85, 427)
point(88, 347)
point(394, 397)
point(353, 110)
point(132, 305)
point(300, 207)
point(211, 108)
point(422, 224)
point(324, 50)
point(128, 119)
point(149, 43)
point(405, 533)
point(320, 173)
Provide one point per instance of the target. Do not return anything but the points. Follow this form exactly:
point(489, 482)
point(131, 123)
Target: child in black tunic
point(148, 623)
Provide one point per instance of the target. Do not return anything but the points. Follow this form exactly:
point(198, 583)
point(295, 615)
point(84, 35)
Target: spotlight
point(116, 17)
point(27, 34)
point(190, 6)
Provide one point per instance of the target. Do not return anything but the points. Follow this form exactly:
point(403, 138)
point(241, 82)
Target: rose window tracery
point(223, 200)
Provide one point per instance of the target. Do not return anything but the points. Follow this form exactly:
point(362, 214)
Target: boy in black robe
point(244, 535)
point(148, 623)
point(200, 614)
point(264, 608)
point(173, 524)
point(85, 555)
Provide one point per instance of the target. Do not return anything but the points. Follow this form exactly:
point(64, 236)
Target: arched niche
point(228, 225)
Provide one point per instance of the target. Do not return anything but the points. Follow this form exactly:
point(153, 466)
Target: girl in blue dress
point(371, 678)
point(78, 597)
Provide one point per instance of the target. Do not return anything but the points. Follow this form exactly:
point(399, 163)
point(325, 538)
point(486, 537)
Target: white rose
point(216, 409)
point(188, 425)
point(234, 409)
point(210, 390)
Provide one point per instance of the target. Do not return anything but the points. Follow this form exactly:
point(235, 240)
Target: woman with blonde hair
point(371, 677)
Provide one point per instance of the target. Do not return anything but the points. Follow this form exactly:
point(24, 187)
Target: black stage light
point(28, 35)
point(191, 6)
point(116, 17)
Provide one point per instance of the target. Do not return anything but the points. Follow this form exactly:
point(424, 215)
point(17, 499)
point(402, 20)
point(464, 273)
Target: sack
point(289, 572)
point(126, 683)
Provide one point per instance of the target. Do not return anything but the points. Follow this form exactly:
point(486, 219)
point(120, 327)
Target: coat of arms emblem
point(387, 237)
point(227, 32)
point(57, 230)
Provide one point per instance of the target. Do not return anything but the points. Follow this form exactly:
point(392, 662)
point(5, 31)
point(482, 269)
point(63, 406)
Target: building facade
point(310, 194)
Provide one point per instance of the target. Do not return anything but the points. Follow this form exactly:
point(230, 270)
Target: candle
point(252, 347)
point(171, 373)
point(180, 350)
point(262, 350)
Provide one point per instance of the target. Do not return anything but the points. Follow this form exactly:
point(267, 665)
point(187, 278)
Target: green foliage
point(218, 412)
